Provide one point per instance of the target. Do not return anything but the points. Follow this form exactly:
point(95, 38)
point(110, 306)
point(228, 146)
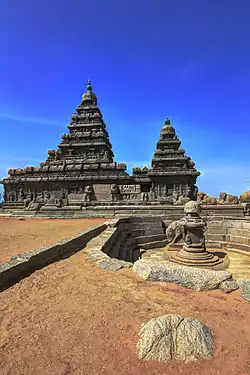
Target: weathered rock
point(113, 264)
point(189, 277)
point(244, 286)
point(228, 286)
point(97, 255)
point(173, 337)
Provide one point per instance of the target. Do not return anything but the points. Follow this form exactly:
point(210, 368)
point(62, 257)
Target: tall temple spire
point(89, 96)
point(89, 86)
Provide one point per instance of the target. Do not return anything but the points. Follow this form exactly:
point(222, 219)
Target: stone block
point(239, 239)
point(189, 277)
point(246, 225)
point(238, 224)
point(215, 237)
point(214, 224)
point(239, 232)
point(217, 230)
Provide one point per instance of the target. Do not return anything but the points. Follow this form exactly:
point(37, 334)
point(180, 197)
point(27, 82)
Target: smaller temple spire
point(89, 86)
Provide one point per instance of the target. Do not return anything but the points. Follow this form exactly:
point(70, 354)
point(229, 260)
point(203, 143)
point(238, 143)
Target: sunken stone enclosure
point(81, 179)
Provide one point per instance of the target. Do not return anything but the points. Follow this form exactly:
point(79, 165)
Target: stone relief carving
point(145, 197)
point(88, 192)
point(133, 189)
point(115, 193)
point(21, 195)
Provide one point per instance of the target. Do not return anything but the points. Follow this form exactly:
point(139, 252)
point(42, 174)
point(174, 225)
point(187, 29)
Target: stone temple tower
point(88, 140)
point(172, 173)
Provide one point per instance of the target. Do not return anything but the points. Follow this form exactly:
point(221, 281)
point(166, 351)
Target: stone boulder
point(113, 264)
point(199, 279)
point(173, 337)
point(244, 286)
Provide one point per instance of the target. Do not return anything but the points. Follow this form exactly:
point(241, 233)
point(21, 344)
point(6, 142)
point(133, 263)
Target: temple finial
point(89, 86)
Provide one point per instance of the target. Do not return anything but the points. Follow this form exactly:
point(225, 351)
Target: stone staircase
point(137, 234)
point(145, 233)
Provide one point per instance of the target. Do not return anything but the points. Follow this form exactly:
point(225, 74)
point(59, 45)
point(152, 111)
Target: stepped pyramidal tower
point(169, 161)
point(88, 141)
point(82, 172)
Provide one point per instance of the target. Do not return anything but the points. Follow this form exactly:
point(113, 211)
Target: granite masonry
point(80, 178)
point(82, 171)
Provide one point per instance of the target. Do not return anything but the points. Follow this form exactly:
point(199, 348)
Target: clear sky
point(147, 59)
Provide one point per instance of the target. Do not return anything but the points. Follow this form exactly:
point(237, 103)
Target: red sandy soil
point(73, 318)
point(17, 236)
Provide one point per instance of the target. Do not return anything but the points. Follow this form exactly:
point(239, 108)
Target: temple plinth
point(193, 252)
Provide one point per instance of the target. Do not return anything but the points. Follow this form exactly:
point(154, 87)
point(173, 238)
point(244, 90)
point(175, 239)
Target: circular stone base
point(196, 257)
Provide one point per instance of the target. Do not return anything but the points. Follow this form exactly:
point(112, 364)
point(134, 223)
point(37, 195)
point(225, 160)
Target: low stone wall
point(228, 233)
point(22, 265)
point(111, 211)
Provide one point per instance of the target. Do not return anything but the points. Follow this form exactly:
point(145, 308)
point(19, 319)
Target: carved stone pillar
point(194, 252)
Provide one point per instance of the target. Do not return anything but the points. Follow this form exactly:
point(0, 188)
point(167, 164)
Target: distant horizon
point(187, 63)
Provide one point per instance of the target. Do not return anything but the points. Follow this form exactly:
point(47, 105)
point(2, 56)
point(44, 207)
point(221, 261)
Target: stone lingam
point(193, 252)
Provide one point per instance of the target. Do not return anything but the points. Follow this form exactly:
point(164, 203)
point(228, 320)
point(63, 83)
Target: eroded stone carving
point(115, 193)
point(203, 198)
point(88, 193)
point(225, 198)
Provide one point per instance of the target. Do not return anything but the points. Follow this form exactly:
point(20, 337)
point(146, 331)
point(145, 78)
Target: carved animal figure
point(175, 231)
point(203, 198)
point(179, 199)
point(11, 171)
point(225, 198)
point(245, 197)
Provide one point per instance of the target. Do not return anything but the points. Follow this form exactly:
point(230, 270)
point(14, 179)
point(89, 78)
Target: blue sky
point(188, 60)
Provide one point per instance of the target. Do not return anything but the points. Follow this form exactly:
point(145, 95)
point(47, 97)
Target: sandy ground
point(17, 236)
point(74, 318)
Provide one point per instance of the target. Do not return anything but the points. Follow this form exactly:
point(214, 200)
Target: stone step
point(144, 219)
point(136, 232)
point(153, 245)
point(145, 226)
point(151, 238)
